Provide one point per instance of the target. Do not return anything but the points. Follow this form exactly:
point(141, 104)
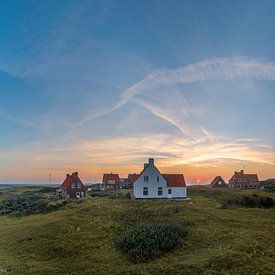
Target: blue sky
point(99, 86)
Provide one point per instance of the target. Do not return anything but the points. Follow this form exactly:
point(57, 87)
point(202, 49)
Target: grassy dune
point(79, 239)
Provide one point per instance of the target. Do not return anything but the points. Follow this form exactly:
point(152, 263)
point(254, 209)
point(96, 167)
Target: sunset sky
point(100, 86)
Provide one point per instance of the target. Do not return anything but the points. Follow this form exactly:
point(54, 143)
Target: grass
point(80, 238)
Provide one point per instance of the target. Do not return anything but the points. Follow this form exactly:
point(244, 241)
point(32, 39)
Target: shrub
point(147, 241)
point(30, 203)
point(253, 201)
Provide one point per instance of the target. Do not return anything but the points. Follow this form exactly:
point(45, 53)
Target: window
point(145, 191)
point(219, 182)
point(73, 185)
point(157, 178)
point(78, 185)
point(160, 191)
point(169, 191)
point(146, 178)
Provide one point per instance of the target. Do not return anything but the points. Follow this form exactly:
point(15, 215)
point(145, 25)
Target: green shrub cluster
point(148, 241)
point(269, 185)
point(29, 203)
point(253, 201)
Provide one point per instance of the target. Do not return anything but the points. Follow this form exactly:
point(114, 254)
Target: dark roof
point(111, 176)
point(133, 177)
point(216, 180)
point(174, 180)
point(249, 177)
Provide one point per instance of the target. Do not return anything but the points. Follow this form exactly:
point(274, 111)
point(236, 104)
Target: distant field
point(80, 238)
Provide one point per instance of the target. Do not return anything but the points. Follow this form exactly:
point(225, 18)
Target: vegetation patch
point(268, 185)
point(147, 241)
point(253, 201)
point(30, 203)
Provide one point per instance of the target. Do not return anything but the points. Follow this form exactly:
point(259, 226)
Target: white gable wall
point(153, 184)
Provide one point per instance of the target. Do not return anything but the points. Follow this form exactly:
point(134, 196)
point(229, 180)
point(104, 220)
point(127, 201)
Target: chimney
point(67, 175)
point(151, 161)
point(75, 174)
point(146, 165)
point(241, 171)
point(236, 172)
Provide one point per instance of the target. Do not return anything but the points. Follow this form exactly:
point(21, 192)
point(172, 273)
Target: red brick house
point(131, 179)
point(218, 182)
point(111, 181)
point(72, 187)
point(240, 180)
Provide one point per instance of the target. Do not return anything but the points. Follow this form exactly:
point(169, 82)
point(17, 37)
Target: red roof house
point(131, 179)
point(240, 180)
point(72, 187)
point(111, 181)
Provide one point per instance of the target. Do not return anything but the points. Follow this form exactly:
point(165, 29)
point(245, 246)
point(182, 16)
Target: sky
point(101, 86)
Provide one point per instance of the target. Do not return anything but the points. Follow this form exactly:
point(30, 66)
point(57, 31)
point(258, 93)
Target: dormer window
point(73, 185)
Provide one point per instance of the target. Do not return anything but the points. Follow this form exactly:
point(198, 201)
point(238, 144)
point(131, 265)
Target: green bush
point(30, 203)
point(253, 201)
point(147, 241)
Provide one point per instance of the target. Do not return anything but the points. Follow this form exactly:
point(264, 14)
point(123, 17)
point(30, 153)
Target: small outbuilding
point(218, 182)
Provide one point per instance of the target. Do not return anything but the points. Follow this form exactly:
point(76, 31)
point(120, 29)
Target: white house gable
point(151, 183)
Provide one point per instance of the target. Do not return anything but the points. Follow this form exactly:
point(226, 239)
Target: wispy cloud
point(240, 68)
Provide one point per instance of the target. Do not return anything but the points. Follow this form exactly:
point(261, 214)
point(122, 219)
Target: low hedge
point(147, 241)
point(254, 201)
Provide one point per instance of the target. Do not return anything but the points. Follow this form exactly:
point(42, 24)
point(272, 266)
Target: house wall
point(243, 186)
point(178, 192)
point(152, 172)
point(72, 192)
point(153, 184)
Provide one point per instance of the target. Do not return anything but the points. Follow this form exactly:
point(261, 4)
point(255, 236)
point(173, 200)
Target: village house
point(131, 179)
point(111, 181)
point(151, 184)
point(240, 180)
point(218, 182)
point(72, 187)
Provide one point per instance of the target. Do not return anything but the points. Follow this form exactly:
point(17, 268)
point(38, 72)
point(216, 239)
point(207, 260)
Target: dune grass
point(80, 238)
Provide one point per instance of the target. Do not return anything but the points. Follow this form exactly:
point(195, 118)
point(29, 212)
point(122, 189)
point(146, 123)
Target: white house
point(151, 184)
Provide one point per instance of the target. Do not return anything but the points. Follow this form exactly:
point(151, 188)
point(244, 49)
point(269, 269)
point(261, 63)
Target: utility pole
point(50, 178)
